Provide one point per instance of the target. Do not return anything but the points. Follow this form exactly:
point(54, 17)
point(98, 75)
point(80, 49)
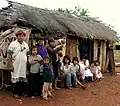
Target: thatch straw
point(51, 23)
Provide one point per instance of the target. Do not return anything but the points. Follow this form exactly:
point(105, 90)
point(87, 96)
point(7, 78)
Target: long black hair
point(75, 59)
point(68, 58)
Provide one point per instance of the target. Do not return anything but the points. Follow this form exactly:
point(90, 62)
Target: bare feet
point(51, 95)
point(16, 96)
point(45, 98)
point(84, 87)
point(56, 88)
point(32, 97)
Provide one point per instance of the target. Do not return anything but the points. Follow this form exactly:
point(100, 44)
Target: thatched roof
point(49, 22)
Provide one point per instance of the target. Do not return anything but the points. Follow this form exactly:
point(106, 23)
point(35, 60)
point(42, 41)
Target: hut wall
point(71, 46)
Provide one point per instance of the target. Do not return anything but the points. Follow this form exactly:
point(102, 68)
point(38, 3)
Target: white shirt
point(74, 68)
point(65, 69)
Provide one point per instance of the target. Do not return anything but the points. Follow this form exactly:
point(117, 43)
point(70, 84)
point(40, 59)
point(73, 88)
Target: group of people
point(36, 71)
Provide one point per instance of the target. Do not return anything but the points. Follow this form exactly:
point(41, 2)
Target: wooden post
point(78, 51)
point(90, 51)
point(95, 50)
point(103, 55)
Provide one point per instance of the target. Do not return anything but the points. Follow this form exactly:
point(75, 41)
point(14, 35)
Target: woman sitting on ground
point(74, 70)
point(65, 68)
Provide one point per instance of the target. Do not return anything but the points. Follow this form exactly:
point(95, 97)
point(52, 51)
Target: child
point(34, 61)
point(57, 69)
point(65, 68)
point(98, 71)
point(92, 69)
point(42, 51)
point(48, 77)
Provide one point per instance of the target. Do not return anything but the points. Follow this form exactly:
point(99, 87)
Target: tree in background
point(77, 11)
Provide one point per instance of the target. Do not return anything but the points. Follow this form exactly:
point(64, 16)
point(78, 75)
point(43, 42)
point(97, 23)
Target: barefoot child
point(98, 71)
point(34, 61)
point(92, 69)
point(48, 77)
point(57, 68)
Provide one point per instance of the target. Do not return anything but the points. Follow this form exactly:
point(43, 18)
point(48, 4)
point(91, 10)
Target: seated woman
point(74, 70)
point(65, 68)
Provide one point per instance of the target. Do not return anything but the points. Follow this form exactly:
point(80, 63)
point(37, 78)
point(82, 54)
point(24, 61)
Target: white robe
point(19, 57)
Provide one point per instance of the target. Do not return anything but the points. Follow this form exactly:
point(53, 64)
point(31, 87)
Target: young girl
point(66, 75)
point(98, 71)
point(92, 69)
point(34, 61)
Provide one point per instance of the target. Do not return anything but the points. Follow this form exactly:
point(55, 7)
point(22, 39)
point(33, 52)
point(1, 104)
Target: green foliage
point(77, 11)
point(117, 53)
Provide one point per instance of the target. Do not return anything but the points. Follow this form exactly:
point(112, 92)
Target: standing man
point(111, 65)
point(18, 60)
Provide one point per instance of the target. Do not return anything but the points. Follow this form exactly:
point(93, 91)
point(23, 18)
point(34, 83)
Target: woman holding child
point(53, 50)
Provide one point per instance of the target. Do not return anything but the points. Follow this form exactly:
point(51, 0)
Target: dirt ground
point(103, 93)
